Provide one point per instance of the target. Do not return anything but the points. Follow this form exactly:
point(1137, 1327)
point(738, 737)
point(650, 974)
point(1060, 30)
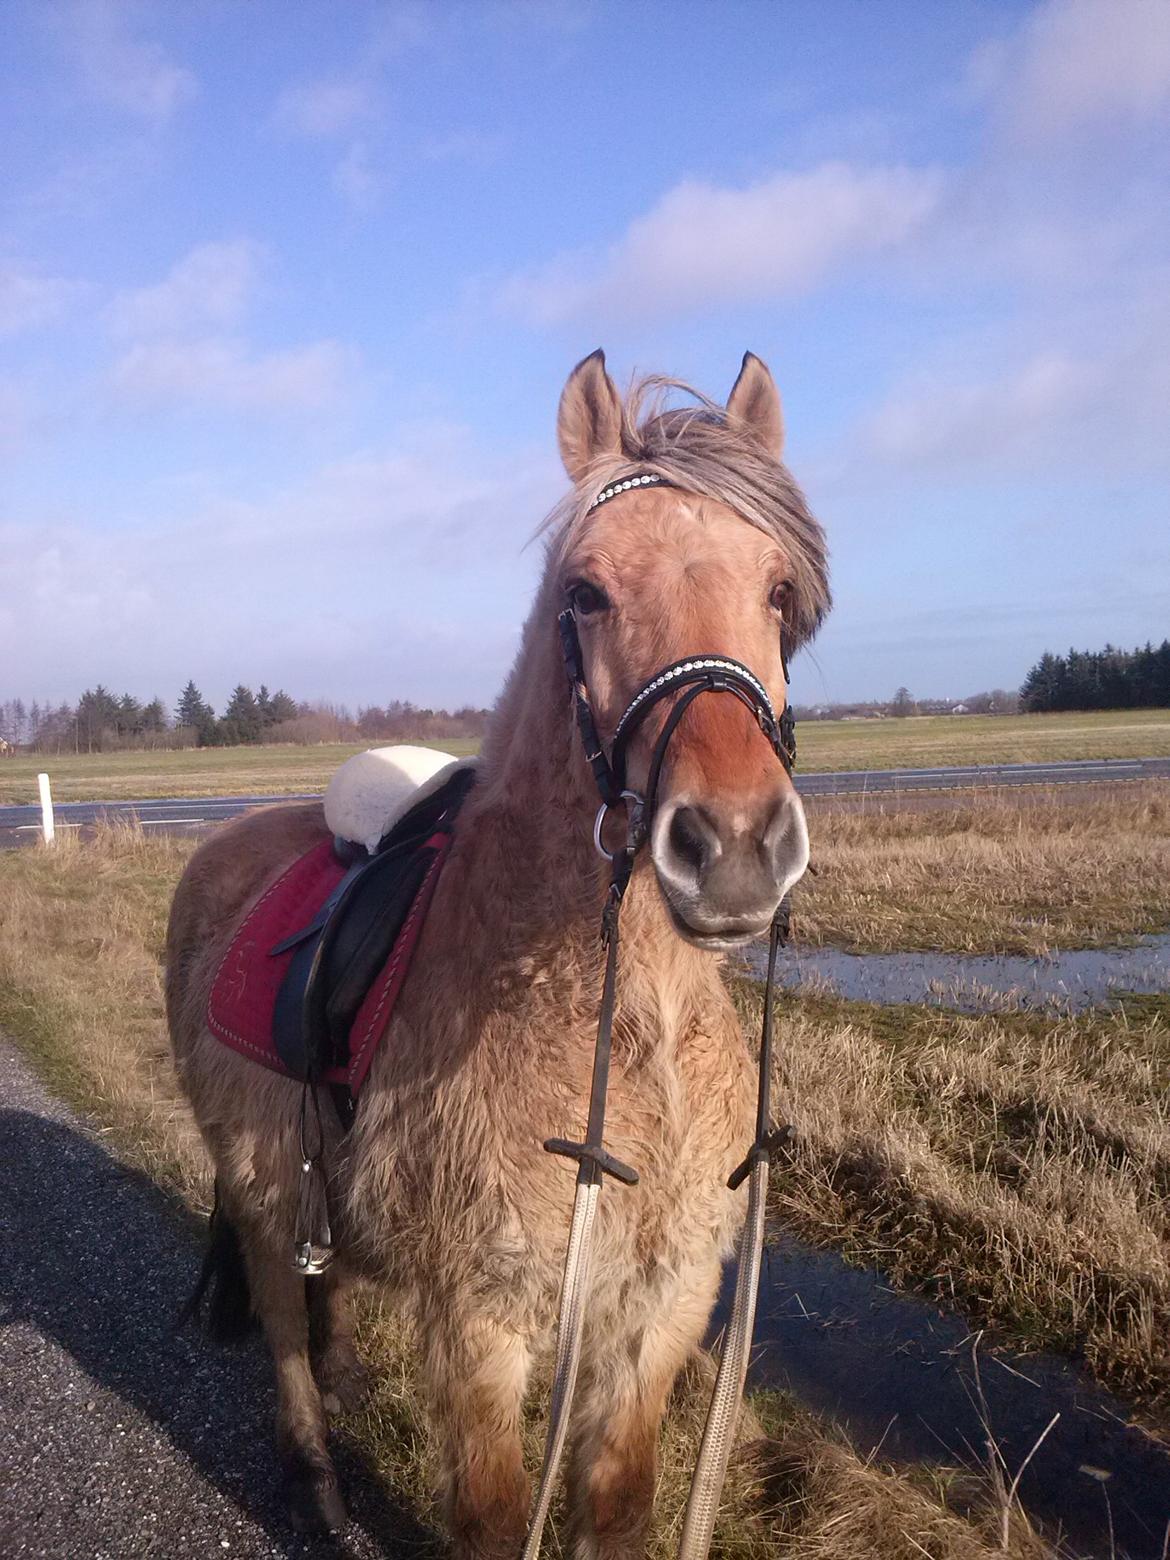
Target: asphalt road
point(181, 815)
point(119, 1441)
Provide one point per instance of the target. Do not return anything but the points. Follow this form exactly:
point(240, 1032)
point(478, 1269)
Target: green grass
point(919, 742)
point(280, 770)
point(927, 741)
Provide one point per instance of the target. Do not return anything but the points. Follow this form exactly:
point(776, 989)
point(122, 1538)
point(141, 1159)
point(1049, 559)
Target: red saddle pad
point(243, 994)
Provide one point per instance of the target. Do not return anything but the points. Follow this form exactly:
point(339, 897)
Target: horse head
point(686, 540)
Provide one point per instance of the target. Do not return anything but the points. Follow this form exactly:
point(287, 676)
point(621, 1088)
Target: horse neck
point(532, 825)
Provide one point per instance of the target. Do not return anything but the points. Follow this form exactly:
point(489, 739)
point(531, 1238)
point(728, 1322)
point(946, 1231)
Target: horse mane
point(697, 449)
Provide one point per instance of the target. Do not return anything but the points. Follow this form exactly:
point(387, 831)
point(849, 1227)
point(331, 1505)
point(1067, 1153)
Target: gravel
point(116, 1437)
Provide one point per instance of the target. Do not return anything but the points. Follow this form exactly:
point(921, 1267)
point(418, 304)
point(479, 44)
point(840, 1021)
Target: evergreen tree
point(97, 718)
point(154, 717)
point(241, 718)
point(190, 707)
point(282, 707)
point(192, 710)
point(128, 721)
point(1099, 679)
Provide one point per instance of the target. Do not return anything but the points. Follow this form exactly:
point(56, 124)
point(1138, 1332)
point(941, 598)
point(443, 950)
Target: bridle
point(687, 679)
point(684, 681)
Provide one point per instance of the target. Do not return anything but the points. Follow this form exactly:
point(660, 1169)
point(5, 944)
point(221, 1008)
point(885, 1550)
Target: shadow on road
point(98, 1259)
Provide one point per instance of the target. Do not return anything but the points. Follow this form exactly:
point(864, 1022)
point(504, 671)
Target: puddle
point(896, 1373)
point(1069, 981)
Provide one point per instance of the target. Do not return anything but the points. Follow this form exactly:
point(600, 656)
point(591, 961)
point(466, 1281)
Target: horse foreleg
point(477, 1372)
point(312, 1496)
point(343, 1379)
point(614, 1463)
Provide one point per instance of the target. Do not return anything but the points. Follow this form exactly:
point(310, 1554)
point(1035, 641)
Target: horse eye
point(585, 598)
point(780, 597)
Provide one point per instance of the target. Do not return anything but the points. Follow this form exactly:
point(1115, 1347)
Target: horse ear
point(589, 421)
point(754, 403)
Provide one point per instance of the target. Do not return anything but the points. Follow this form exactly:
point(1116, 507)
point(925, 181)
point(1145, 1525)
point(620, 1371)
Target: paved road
point(117, 1440)
point(1080, 771)
point(181, 815)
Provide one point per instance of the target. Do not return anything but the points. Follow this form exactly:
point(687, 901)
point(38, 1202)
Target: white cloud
point(333, 589)
point(130, 72)
point(1079, 63)
point(223, 372)
point(29, 300)
point(210, 286)
point(703, 245)
point(1107, 409)
point(317, 109)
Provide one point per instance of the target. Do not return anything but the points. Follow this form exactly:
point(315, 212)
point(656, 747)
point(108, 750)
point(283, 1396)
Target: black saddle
point(342, 950)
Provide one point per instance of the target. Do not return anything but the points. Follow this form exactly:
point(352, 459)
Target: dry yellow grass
point(81, 930)
point(1011, 872)
point(1016, 1165)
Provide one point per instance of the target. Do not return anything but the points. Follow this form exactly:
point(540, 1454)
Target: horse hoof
point(314, 1502)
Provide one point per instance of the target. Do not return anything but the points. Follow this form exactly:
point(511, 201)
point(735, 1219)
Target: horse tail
point(229, 1307)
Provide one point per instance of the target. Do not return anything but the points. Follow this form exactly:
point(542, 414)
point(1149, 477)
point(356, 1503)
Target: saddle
point(310, 979)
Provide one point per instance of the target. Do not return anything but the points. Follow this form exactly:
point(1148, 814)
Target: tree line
point(103, 722)
point(1108, 679)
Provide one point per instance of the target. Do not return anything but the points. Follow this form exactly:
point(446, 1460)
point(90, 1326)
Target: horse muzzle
point(722, 872)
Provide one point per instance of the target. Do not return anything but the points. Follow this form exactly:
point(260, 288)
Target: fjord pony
point(441, 1192)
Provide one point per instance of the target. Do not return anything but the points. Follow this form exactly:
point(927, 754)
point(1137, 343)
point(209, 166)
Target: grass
point(1010, 872)
point(1013, 1164)
point(929, 741)
point(81, 930)
point(916, 742)
point(280, 770)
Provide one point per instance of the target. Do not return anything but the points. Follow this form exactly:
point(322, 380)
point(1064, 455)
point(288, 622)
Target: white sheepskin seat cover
point(372, 790)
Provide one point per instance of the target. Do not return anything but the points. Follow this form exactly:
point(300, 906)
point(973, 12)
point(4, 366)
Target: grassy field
point(281, 770)
point(1001, 872)
point(903, 1135)
point(929, 741)
point(914, 743)
point(1014, 1164)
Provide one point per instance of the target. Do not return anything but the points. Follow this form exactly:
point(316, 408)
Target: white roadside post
point(47, 828)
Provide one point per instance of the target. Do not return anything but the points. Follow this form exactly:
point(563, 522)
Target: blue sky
point(288, 293)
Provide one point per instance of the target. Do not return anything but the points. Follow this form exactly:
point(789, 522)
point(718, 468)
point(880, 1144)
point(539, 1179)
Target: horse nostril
point(693, 839)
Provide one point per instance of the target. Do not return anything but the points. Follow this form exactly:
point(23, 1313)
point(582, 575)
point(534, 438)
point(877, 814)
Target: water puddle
point(1069, 982)
point(897, 1374)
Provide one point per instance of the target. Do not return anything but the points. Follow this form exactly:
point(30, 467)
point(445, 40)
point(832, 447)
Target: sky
point(288, 294)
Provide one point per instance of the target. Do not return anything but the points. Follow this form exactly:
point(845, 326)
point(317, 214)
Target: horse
point(440, 1192)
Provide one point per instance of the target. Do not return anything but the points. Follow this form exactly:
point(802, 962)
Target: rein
point(685, 681)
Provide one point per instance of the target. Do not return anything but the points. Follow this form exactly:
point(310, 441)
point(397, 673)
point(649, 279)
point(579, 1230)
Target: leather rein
point(684, 681)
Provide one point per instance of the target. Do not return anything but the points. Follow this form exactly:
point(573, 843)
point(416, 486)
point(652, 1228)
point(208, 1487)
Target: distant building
point(959, 709)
